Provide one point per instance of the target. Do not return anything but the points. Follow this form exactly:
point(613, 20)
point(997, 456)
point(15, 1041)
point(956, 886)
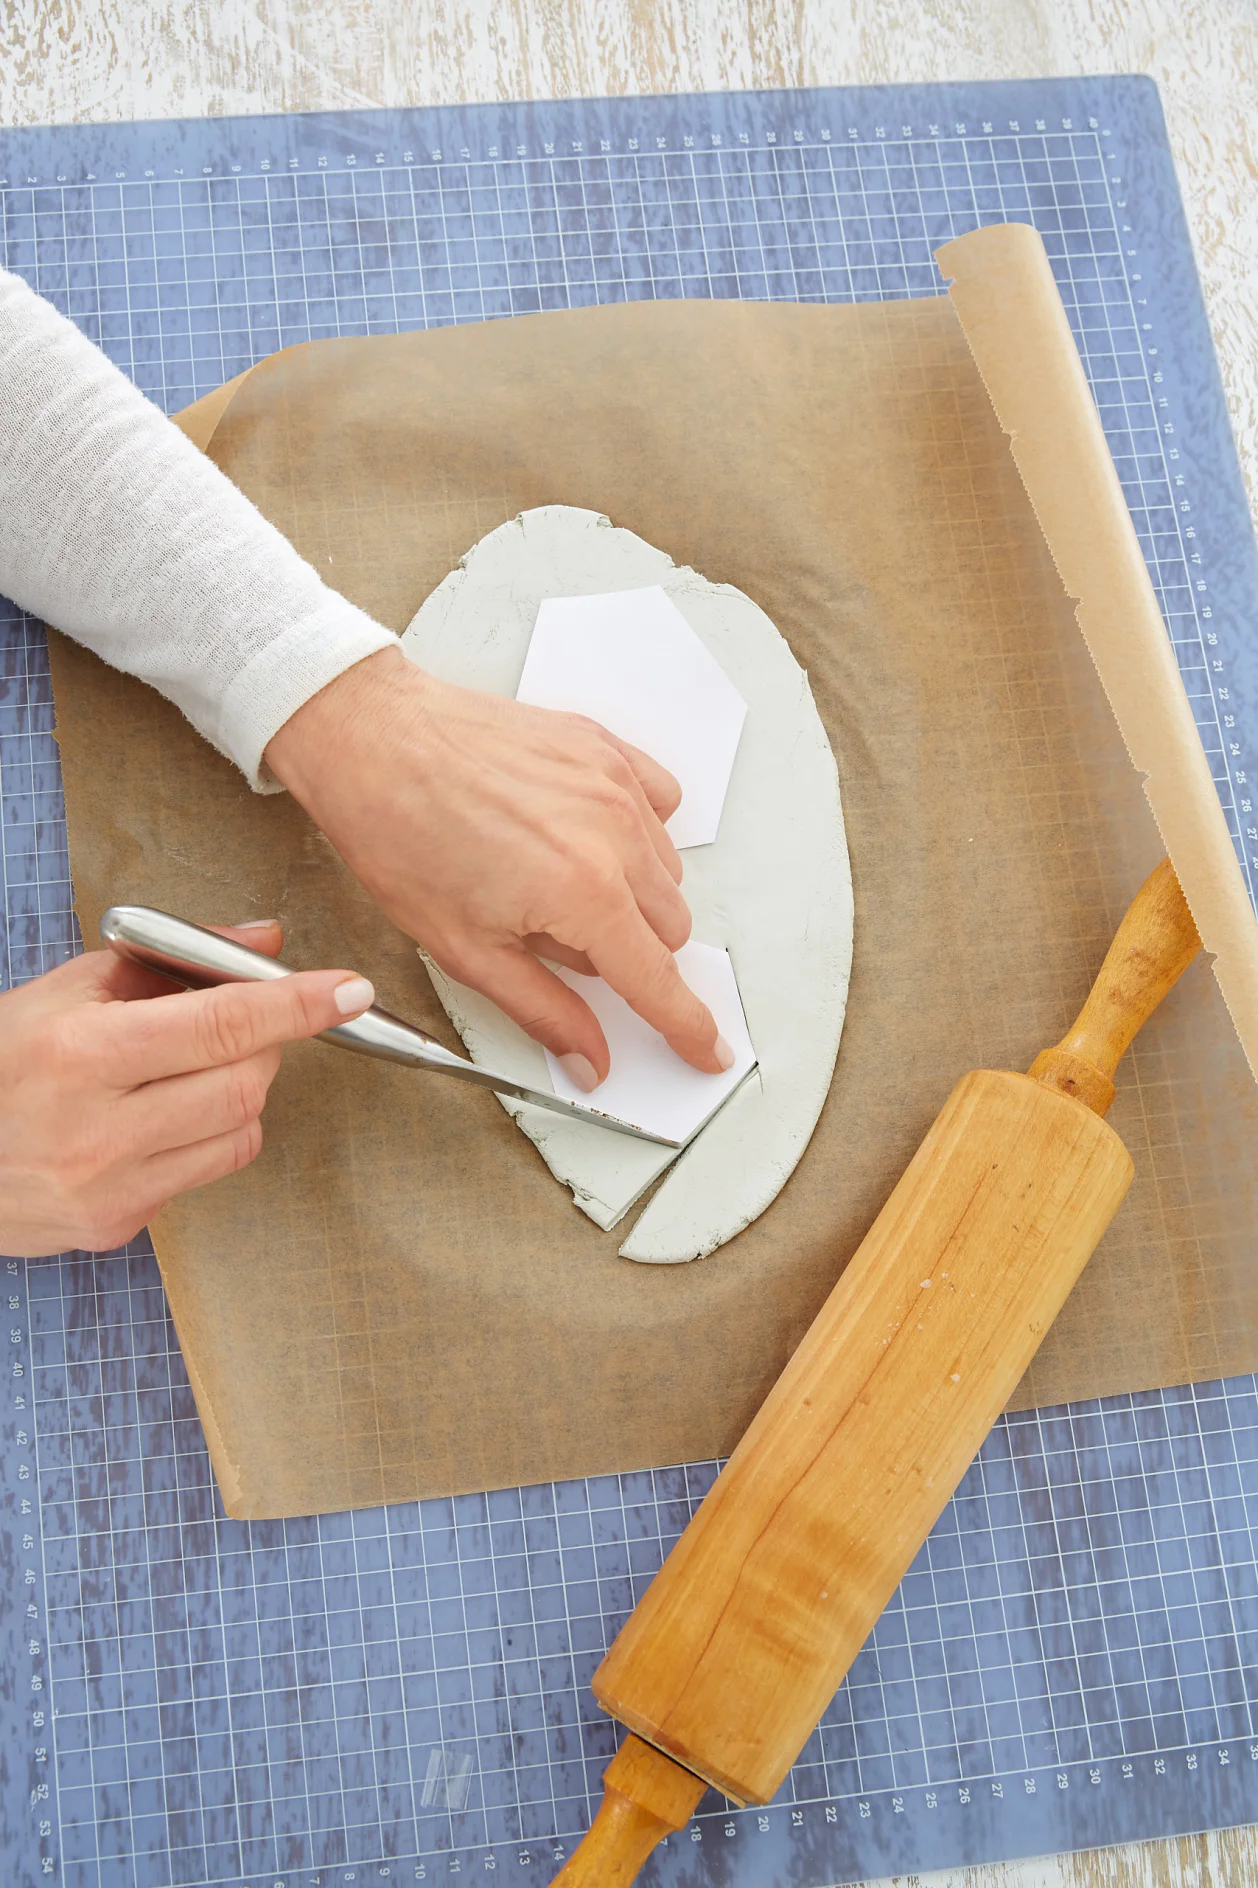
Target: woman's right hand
point(116, 1093)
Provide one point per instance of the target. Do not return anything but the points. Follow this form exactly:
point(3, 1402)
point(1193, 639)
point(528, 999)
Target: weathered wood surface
point(63, 60)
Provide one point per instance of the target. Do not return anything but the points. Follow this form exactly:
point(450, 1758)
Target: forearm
point(117, 530)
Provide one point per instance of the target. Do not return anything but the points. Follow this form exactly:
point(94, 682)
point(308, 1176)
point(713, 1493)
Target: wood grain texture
point(645, 1797)
point(68, 60)
point(1154, 948)
point(742, 1638)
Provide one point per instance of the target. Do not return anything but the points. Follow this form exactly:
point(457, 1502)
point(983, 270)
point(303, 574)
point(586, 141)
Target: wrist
point(364, 709)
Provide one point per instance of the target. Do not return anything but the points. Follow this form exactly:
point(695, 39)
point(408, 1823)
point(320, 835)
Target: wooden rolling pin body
point(740, 1642)
point(743, 1637)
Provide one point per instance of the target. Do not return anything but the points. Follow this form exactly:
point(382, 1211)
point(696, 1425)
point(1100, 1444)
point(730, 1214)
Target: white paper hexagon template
point(631, 661)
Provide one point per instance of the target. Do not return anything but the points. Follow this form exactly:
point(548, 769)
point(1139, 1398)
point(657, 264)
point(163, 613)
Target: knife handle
point(200, 959)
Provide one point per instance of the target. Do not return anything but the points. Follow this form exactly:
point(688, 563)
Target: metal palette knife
point(197, 958)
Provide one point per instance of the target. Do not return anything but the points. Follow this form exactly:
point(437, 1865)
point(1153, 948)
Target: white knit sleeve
point(117, 530)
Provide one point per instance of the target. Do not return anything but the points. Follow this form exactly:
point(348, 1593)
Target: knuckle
point(583, 879)
point(674, 928)
point(623, 809)
point(246, 1093)
point(665, 987)
point(660, 982)
point(245, 1146)
point(614, 795)
point(224, 1027)
point(456, 955)
point(234, 1150)
point(306, 1005)
point(586, 729)
point(537, 1027)
point(537, 1021)
point(461, 965)
point(605, 883)
point(307, 1011)
point(618, 771)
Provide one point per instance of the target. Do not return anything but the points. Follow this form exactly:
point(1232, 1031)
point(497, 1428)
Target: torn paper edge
point(1006, 299)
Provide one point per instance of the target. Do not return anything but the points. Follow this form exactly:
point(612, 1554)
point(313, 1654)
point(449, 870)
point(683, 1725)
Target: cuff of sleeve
point(276, 682)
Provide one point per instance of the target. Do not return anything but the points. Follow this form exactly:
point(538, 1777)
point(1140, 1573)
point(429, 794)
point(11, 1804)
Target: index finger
point(662, 789)
point(204, 1029)
point(630, 957)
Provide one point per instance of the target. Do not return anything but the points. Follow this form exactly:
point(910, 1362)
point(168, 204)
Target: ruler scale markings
point(786, 219)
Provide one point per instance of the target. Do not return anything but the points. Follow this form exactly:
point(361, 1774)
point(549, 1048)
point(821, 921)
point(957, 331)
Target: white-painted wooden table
point(67, 60)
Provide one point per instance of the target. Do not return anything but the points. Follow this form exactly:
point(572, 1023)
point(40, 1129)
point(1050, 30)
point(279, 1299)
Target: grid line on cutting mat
point(406, 1689)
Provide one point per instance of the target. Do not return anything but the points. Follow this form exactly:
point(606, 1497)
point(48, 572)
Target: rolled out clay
point(774, 889)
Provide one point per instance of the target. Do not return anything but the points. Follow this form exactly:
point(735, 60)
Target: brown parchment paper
point(397, 1300)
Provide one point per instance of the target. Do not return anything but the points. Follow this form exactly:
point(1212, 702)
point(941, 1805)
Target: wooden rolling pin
point(743, 1637)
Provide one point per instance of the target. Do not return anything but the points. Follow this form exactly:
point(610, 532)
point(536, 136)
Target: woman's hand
point(490, 831)
point(116, 1093)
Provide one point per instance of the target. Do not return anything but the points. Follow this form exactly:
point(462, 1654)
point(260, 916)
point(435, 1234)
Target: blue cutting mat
point(403, 1694)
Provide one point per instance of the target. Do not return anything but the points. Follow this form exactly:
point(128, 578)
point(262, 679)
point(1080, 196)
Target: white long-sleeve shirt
point(117, 530)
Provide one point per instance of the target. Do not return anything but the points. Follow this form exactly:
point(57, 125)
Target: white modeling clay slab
point(774, 888)
point(648, 1085)
point(631, 661)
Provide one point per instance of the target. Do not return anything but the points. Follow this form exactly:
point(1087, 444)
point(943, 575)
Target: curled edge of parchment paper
point(1011, 314)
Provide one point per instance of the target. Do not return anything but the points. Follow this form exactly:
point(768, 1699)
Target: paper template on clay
point(773, 889)
point(648, 1084)
point(631, 661)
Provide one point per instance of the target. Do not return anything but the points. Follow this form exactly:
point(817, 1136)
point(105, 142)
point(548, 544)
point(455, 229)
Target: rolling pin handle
point(646, 1796)
point(1152, 948)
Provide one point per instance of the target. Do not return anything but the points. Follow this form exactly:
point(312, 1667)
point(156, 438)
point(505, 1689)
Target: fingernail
point(723, 1053)
point(256, 924)
point(580, 1071)
point(353, 996)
